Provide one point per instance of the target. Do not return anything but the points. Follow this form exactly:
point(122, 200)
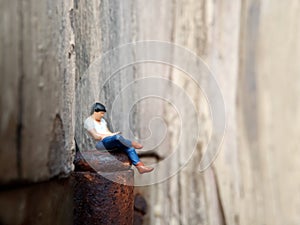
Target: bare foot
point(136, 145)
point(143, 169)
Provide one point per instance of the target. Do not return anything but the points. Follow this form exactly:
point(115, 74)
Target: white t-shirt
point(100, 128)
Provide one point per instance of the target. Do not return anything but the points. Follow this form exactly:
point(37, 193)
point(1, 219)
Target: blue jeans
point(119, 142)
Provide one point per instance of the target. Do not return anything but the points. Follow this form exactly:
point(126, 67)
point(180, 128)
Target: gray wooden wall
point(48, 81)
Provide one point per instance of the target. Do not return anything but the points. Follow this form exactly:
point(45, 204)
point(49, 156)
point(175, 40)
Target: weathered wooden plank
point(37, 66)
point(10, 87)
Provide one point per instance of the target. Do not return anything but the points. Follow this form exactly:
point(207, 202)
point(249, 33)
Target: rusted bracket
point(98, 199)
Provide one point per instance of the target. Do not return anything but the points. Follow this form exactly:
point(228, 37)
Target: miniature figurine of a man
point(96, 126)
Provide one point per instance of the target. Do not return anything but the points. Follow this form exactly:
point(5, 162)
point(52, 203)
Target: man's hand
point(102, 136)
point(109, 134)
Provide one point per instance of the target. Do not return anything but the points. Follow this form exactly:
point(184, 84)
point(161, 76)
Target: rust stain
point(88, 176)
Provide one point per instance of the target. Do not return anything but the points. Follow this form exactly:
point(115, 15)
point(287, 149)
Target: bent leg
point(116, 141)
point(119, 142)
point(133, 156)
point(123, 141)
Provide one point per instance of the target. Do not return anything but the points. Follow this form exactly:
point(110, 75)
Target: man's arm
point(109, 132)
point(97, 136)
